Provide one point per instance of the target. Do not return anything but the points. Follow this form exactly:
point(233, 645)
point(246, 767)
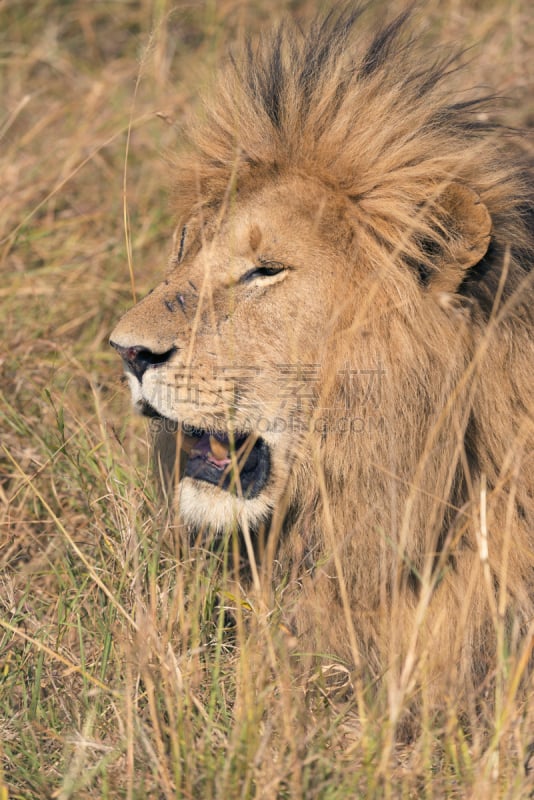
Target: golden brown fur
point(399, 509)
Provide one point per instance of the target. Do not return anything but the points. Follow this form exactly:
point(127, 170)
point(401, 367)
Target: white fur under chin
point(206, 507)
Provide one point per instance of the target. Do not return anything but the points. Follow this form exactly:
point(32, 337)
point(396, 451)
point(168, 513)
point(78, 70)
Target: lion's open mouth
point(239, 464)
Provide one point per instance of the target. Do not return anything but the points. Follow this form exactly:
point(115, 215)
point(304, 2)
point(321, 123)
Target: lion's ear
point(465, 224)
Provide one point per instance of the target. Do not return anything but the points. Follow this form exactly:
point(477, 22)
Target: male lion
point(343, 349)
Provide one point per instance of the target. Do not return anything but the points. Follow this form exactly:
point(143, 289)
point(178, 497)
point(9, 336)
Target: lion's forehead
point(281, 220)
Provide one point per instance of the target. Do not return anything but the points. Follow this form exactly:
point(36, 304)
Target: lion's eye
point(264, 270)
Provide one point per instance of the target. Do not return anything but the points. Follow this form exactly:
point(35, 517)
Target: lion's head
point(342, 346)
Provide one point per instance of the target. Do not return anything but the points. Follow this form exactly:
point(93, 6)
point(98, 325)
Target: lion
point(339, 359)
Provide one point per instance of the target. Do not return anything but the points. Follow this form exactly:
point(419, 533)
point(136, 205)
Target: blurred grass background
point(117, 678)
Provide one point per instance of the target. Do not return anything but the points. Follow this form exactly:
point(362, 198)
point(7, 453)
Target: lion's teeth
point(218, 449)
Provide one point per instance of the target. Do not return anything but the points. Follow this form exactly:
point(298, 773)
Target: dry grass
point(118, 677)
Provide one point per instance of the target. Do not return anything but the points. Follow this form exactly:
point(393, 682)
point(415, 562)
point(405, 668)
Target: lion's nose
point(138, 359)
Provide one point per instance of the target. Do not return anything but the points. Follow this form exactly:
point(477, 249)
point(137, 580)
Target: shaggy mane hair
point(376, 126)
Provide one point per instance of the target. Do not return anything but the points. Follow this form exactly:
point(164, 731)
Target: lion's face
point(230, 348)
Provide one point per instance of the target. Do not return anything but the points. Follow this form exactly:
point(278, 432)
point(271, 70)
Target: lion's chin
point(205, 507)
